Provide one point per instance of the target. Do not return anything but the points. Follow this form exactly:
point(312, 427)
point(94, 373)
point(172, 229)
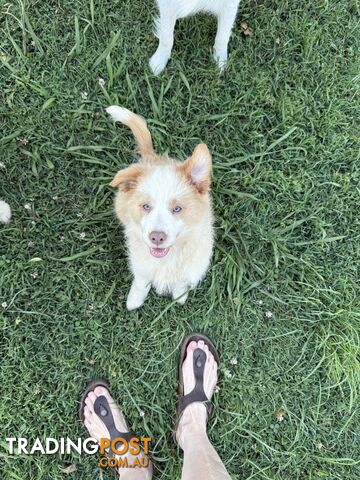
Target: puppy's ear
point(127, 178)
point(197, 168)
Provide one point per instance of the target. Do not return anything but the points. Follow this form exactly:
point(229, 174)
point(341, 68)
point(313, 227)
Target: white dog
point(171, 10)
point(5, 212)
point(165, 208)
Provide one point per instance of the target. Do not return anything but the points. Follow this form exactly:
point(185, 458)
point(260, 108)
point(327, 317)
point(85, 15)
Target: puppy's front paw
point(133, 302)
point(180, 296)
point(138, 292)
point(158, 61)
point(182, 299)
point(220, 58)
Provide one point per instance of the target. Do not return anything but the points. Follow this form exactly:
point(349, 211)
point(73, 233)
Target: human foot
point(195, 407)
point(97, 429)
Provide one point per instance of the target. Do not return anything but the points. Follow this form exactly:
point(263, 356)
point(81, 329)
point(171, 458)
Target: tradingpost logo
point(118, 452)
point(127, 452)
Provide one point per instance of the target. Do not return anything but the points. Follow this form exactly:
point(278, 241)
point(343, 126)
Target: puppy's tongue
point(158, 252)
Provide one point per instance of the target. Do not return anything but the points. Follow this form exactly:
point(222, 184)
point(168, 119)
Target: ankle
point(193, 422)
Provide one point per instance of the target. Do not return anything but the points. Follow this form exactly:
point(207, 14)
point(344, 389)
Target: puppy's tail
point(137, 125)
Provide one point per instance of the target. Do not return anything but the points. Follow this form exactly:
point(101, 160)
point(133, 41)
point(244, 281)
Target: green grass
point(281, 124)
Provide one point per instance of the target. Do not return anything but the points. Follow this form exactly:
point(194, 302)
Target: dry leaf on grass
point(280, 414)
point(69, 469)
point(24, 141)
point(247, 31)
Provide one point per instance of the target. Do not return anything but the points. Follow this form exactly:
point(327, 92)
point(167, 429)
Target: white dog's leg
point(226, 20)
point(165, 31)
point(180, 293)
point(138, 292)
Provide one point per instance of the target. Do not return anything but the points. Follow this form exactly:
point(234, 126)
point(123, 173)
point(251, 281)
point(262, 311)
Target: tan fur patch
point(193, 206)
point(129, 205)
point(127, 178)
point(197, 168)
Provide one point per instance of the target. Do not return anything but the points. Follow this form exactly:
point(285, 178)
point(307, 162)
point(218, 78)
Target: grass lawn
point(282, 294)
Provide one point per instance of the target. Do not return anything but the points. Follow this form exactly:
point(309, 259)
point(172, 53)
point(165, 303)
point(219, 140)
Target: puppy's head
point(162, 201)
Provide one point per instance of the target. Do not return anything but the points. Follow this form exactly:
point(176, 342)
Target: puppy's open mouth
point(159, 252)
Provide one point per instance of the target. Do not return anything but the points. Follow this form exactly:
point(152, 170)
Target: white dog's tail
point(137, 125)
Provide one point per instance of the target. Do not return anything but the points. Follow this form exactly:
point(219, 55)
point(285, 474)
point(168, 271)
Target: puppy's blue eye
point(176, 209)
point(146, 206)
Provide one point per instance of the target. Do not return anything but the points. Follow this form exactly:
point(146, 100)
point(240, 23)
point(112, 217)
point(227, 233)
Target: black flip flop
point(103, 410)
point(197, 394)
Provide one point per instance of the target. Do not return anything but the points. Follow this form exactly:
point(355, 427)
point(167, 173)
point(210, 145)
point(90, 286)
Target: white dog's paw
point(221, 59)
point(138, 293)
point(134, 301)
point(182, 299)
point(158, 61)
point(180, 296)
point(5, 212)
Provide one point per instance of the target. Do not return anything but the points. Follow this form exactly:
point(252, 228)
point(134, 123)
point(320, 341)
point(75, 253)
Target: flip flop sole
point(193, 337)
point(101, 382)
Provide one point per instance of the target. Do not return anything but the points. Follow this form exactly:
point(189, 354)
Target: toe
point(105, 392)
point(201, 344)
point(89, 404)
point(99, 391)
point(189, 357)
point(208, 353)
point(92, 397)
point(191, 347)
point(87, 412)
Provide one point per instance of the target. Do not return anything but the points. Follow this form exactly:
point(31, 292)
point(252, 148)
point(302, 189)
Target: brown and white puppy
point(164, 206)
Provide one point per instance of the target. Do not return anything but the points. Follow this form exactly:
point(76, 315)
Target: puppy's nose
point(157, 238)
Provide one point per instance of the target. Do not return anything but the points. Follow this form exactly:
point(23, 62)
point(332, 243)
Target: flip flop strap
point(197, 394)
point(103, 411)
